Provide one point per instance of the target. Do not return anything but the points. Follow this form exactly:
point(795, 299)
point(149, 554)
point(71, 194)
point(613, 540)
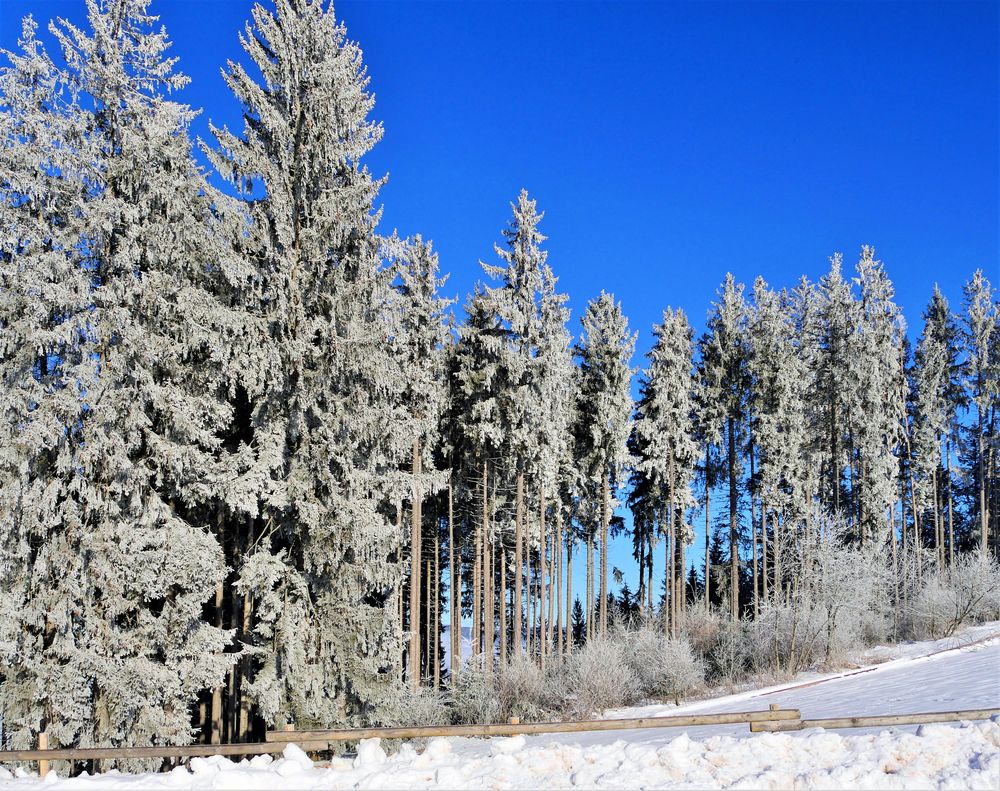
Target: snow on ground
point(959, 673)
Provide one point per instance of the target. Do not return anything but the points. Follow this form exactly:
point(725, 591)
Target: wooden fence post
point(43, 744)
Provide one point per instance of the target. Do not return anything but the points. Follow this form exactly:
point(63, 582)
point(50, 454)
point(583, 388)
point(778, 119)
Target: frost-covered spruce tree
point(123, 652)
point(982, 372)
point(531, 348)
point(333, 414)
point(479, 387)
point(44, 301)
point(423, 336)
point(667, 449)
point(937, 395)
point(605, 413)
point(834, 395)
point(876, 426)
point(779, 386)
point(724, 366)
point(553, 381)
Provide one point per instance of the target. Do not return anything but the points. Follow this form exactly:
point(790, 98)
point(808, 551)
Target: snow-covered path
point(923, 677)
point(939, 677)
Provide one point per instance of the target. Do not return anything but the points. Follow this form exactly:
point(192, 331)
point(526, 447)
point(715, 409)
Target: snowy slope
point(921, 677)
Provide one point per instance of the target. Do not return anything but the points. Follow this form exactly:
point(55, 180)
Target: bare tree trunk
point(569, 589)
point(518, 562)
point(550, 598)
point(503, 605)
point(668, 602)
point(428, 592)
point(605, 520)
point(753, 536)
point(455, 583)
point(415, 545)
point(734, 547)
point(682, 602)
point(763, 551)
point(542, 626)
point(477, 573)
point(708, 537)
point(558, 549)
point(649, 569)
point(779, 556)
point(951, 514)
point(590, 586)
point(216, 732)
point(489, 579)
point(436, 632)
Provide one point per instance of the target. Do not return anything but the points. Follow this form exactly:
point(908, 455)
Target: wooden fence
point(773, 719)
point(875, 722)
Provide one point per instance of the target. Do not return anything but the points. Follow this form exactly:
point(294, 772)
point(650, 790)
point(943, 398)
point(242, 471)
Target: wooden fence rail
point(774, 719)
point(875, 721)
point(430, 731)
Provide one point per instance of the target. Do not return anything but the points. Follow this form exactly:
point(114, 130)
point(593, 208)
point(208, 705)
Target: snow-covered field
point(959, 673)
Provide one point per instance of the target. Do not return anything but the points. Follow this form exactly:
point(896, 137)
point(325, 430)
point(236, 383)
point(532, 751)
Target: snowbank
point(965, 756)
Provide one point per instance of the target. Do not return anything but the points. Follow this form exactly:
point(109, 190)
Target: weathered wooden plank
point(877, 721)
point(678, 721)
point(194, 750)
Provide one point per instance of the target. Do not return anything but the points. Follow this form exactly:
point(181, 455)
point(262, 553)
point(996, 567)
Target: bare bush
point(600, 677)
point(474, 698)
point(663, 667)
point(967, 591)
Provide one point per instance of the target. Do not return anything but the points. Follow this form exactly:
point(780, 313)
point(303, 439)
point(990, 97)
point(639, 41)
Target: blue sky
point(668, 143)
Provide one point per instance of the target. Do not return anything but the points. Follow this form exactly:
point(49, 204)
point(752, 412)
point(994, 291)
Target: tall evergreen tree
point(983, 381)
point(121, 653)
point(724, 367)
point(331, 421)
point(667, 451)
point(605, 411)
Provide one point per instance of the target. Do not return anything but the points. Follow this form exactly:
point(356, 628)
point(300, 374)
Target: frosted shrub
point(524, 690)
point(663, 667)
point(474, 698)
point(423, 707)
point(601, 677)
point(967, 591)
point(729, 656)
point(701, 628)
point(786, 638)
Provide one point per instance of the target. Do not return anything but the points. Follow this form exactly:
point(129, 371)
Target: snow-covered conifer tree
point(424, 333)
point(724, 367)
point(937, 396)
point(331, 421)
point(124, 652)
point(876, 425)
point(667, 448)
point(605, 412)
point(980, 322)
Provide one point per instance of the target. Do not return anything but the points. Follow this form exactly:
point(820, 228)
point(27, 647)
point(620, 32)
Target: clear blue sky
point(668, 143)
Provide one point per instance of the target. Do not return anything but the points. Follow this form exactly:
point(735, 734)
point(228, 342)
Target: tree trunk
point(951, 514)
point(734, 549)
point(415, 541)
point(503, 605)
point(605, 519)
point(590, 586)
point(559, 580)
point(708, 537)
point(753, 537)
point(518, 562)
point(489, 579)
point(436, 632)
point(569, 588)
point(455, 583)
point(763, 553)
point(542, 627)
point(668, 572)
